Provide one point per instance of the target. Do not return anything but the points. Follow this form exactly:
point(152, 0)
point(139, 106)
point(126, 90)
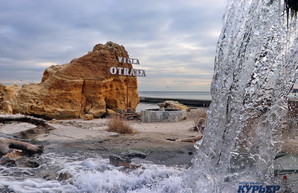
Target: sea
point(198, 95)
point(89, 174)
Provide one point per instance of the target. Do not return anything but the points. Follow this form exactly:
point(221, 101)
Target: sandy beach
point(163, 142)
point(160, 141)
point(77, 140)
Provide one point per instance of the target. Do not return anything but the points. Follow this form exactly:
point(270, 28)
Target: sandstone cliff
point(83, 86)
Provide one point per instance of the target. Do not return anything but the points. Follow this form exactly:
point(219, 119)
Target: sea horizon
point(198, 95)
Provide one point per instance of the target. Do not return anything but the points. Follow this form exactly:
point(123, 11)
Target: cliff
point(83, 86)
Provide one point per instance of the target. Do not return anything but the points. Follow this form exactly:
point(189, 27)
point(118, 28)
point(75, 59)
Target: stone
point(14, 154)
point(117, 161)
point(175, 105)
point(133, 154)
point(26, 162)
point(7, 162)
point(7, 98)
point(83, 86)
point(64, 176)
point(87, 117)
point(111, 113)
point(15, 158)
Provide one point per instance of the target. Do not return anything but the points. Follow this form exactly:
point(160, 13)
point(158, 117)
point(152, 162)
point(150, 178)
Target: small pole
point(127, 94)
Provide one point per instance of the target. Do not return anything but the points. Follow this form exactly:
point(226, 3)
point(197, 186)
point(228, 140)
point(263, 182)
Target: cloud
point(173, 36)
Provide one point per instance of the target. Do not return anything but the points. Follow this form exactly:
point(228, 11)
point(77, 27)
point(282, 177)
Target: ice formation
point(254, 72)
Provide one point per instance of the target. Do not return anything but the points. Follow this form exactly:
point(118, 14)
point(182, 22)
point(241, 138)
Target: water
point(90, 174)
point(199, 95)
point(254, 72)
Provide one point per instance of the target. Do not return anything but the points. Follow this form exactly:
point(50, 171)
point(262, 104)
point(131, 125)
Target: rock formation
point(83, 86)
point(173, 105)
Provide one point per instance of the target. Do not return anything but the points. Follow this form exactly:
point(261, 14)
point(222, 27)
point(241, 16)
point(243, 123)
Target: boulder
point(7, 98)
point(130, 154)
point(123, 161)
point(111, 113)
point(13, 152)
point(87, 117)
point(174, 105)
point(83, 86)
point(14, 158)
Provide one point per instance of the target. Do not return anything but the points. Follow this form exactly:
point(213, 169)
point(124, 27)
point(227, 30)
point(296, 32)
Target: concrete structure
point(192, 102)
point(168, 115)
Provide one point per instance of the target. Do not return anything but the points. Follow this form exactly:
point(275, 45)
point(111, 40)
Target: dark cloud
point(175, 33)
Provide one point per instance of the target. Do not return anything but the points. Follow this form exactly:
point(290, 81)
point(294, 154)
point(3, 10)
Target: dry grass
point(118, 125)
point(199, 119)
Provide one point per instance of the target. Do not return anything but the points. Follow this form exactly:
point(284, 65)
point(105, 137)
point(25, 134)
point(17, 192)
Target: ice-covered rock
point(254, 72)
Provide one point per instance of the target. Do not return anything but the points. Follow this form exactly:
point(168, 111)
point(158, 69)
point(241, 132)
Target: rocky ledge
point(82, 87)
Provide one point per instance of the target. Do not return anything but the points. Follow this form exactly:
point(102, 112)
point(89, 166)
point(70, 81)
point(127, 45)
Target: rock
point(117, 161)
point(20, 162)
point(111, 113)
point(15, 158)
point(64, 176)
point(83, 86)
point(8, 145)
point(87, 117)
point(175, 105)
point(161, 106)
point(14, 154)
point(8, 162)
point(133, 154)
point(26, 162)
point(7, 98)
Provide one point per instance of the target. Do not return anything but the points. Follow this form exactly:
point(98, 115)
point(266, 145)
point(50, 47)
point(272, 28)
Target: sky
point(174, 40)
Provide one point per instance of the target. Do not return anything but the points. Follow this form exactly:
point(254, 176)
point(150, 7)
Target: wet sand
point(157, 140)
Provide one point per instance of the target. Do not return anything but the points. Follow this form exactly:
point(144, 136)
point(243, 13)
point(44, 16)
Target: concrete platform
point(167, 115)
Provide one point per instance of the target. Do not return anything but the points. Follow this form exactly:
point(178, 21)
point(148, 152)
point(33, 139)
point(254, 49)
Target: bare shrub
point(199, 119)
point(118, 125)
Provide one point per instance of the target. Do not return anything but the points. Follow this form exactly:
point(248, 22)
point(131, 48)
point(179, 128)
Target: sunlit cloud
point(175, 40)
point(46, 64)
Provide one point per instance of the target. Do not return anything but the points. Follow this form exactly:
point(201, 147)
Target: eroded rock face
point(83, 86)
point(7, 97)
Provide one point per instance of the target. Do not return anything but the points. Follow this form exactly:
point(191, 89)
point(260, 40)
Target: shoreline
point(190, 102)
point(157, 139)
point(90, 136)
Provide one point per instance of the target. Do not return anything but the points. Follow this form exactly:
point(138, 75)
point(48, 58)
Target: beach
point(158, 140)
point(78, 151)
point(77, 157)
point(154, 139)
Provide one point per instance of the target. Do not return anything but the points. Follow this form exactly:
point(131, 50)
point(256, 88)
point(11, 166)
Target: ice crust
point(254, 72)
